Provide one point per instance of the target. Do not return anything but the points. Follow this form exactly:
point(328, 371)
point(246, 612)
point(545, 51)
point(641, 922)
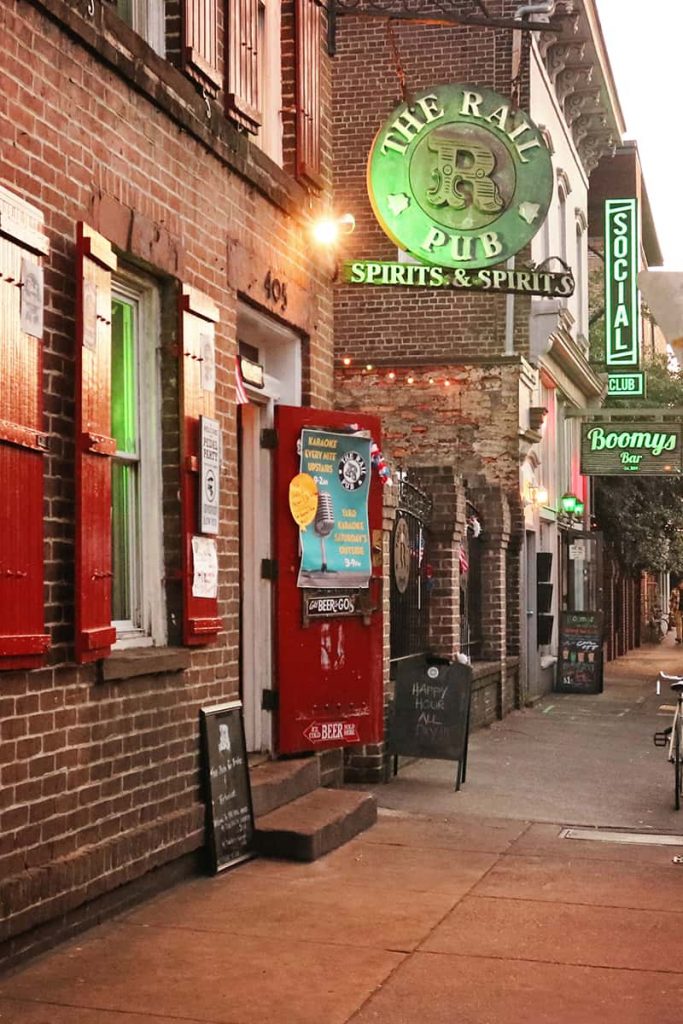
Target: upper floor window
point(146, 17)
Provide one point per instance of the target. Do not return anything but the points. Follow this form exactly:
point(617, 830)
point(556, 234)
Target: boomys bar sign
point(612, 449)
point(459, 178)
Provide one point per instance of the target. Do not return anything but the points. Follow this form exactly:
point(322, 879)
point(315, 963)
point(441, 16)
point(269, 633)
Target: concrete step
point(274, 783)
point(314, 824)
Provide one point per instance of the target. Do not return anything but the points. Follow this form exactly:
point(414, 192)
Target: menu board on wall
point(579, 666)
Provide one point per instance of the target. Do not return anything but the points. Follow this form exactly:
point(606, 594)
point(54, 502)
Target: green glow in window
point(124, 420)
point(125, 465)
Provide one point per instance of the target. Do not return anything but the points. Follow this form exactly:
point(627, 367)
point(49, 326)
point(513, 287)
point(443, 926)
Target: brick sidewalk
point(423, 920)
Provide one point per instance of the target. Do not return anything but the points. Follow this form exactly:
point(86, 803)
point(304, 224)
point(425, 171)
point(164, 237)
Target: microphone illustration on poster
point(329, 501)
point(324, 524)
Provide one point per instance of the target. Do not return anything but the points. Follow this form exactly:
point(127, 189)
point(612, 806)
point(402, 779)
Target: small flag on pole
point(241, 396)
point(463, 562)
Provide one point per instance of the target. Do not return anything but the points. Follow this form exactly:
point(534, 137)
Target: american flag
point(463, 562)
point(241, 396)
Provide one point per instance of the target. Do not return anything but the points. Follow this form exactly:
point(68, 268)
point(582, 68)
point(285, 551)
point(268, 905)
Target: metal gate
point(410, 571)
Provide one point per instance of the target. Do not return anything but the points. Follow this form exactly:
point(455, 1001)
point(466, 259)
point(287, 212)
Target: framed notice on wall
point(229, 814)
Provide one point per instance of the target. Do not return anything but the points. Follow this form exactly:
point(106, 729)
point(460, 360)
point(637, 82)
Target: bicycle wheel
point(678, 766)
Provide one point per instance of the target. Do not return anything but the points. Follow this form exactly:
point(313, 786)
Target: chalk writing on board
point(230, 823)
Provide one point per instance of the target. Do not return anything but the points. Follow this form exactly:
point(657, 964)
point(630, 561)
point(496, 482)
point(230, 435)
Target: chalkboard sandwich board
point(431, 712)
point(579, 667)
point(230, 817)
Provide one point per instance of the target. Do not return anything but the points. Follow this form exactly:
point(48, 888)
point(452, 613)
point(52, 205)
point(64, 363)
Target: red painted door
point(328, 669)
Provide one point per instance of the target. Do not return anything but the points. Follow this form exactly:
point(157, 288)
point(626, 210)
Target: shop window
point(146, 17)
point(137, 598)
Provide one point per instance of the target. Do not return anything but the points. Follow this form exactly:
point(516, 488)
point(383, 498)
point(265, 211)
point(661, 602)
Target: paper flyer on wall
point(335, 535)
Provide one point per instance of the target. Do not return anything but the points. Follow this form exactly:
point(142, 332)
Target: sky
point(645, 46)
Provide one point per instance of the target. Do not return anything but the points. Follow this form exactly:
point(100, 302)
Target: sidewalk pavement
point(427, 918)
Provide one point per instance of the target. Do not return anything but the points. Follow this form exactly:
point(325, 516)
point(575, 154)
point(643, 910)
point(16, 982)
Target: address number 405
point(276, 290)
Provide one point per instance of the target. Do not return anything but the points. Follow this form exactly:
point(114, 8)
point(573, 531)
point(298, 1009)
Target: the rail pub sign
point(458, 178)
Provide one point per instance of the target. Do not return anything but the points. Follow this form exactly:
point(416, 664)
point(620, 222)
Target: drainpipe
point(546, 7)
point(509, 349)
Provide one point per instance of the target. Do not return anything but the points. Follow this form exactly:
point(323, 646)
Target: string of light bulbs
point(398, 376)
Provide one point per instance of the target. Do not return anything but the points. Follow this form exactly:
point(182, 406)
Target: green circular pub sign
point(459, 178)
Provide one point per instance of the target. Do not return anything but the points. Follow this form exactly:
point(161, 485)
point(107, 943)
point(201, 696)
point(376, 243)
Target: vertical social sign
point(622, 316)
point(335, 545)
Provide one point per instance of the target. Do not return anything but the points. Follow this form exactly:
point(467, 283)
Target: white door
point(255, 545)
point(278, 350)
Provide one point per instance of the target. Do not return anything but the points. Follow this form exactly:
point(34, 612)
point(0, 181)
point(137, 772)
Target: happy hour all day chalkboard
point(430, 713)
point(230, 819)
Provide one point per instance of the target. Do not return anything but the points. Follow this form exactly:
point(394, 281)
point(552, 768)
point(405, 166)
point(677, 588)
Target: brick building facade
point(168, 206)
point(480, 385)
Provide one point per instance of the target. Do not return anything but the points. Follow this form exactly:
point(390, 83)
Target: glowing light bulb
point(326, 231)
point(346, 360)
point(410, 380)
point(391, 375)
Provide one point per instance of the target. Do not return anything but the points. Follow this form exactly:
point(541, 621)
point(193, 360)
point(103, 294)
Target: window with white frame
point(146, 17)
point(138, 609)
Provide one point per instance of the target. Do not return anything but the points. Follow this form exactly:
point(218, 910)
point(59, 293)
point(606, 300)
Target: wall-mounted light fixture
point(535, 496)
point(329, 229)
point(571, 509)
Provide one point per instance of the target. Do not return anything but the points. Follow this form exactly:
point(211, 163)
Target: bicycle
point(657, 626)
point(673, 736)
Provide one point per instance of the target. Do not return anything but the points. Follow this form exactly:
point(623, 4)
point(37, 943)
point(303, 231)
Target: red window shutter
point(23, 641)
point(94, 445)
point(308, 16)
point(243, 99)
point(200, 35)
point(198, 315)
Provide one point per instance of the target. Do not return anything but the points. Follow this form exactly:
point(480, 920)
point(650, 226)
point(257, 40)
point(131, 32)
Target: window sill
point(143, 661)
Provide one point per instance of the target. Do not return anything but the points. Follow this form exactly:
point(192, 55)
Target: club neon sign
point(622, 320)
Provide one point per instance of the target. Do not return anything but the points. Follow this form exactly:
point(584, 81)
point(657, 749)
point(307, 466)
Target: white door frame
point(279, 351)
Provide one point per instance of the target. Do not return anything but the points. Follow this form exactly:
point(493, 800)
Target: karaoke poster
point(333, 521)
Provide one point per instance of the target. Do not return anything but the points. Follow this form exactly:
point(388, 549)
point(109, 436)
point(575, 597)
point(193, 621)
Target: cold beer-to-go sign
point(612, 449)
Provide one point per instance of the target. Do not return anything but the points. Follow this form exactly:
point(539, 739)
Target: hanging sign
point(626, 385)
point(622, 319)
point(252, 373)
point(209, 473)
point(648, 449)
point(417, 275)
point(459, 178)
point(335, 542)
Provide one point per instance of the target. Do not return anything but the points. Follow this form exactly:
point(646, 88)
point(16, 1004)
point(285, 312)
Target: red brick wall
point(99, 780)
point(379, 322)
point(471, 424)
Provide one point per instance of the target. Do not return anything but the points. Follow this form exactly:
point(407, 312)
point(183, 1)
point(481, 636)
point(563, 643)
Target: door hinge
point(270, 700)
point(269, 438)
point(268, 569)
